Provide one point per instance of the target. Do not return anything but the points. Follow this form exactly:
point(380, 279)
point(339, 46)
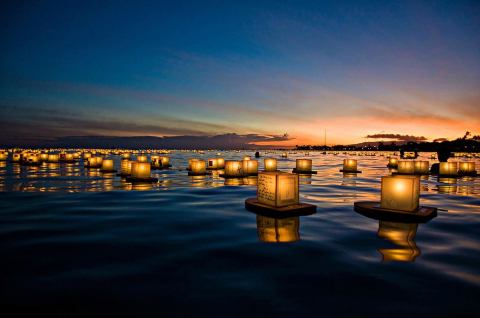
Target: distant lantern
point(448, 168)
point(53, 158)
point(198, 168)
point(140, 170)
point(270, 164)
point(190, 161)
point(467, 168)
point(421, 167)
point(400, 193)
point(165, 162)
point(126, 155)
point(107, 166)
point(216, 163)
point(142, 158)
point(155, 162)
point(69, 157)
point(16, 157)
point(392, 162)
point(125, 168)
point(94, 162)
point(274, 230)
point(233, 169)
point(250, 167)
point(32, 159)
point(3, 156)
point(406, 167)
point(303, 166)
point(87, 155)
point(349, 165)
point(44, 156)
point(284, 155)
point(277, 189)
point(403, 236)
point(247, 158)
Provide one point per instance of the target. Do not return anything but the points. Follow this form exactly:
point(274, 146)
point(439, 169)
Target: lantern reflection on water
point(400, 193)
point(250, 167)
point(402, 235)
point(270, 164)
point(406, 167)
point(448, 168)
point(273, 230)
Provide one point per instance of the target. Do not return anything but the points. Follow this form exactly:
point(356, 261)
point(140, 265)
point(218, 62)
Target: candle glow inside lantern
point(467, 168)
point(126, 167)
point(233, 169)
point(448, 168)
point(3, 156)
point(32, 159)
point(53, 158)
point(126, 155)
point(69, 157)
point(250, 167)
point(107, 165)
point(392, 162)
point(274, 230)
point(87, 155)
point(165, 161)
point(142, 158)
point(247, 158)
point(303, 165)
point(190, 161)
point(277, 189)
point(400, 193)
point(16, 157)
point(140, 170)
point(198, 167)
point(270, 164)
point(349, 165)
point(155, 162)
point(406, 167)
point(216, 163)
point(421, 167)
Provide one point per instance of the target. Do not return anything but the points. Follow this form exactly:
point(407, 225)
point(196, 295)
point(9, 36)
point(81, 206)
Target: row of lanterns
point(423, 167)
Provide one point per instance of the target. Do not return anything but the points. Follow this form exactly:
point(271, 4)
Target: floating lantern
point(448, 168)
point(216, 163)
point(406, 167)
point(277, 192)
point(400, 193)
point(274, 230)
point(16, 157)
point(142, 158)
point(125, 168)
point(392, 163)
point(31, 159)
point(467, 168)
point(284, 155)
point(3, 156)
point(270, 164)
point(126, 156)
point(233, 169)
point(68, 157)
point(190, 161)
point(86, 155)
point(399, 201)
point(402, 235)
point(304, 166)
point(198, 168)
point(107, 166)
point(350, 166)
point(247, 158)
point(421, 167)
point(165, 161)
point(155, 162)
point(250, 167)
point(94, 162)
point(141, 173)
point(53, 158)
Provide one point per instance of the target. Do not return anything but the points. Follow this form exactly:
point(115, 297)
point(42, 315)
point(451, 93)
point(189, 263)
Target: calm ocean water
point(75, 242)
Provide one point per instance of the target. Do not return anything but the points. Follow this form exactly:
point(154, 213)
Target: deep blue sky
point(260, 67)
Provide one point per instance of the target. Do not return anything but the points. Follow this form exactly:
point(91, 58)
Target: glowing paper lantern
point(400, 193)
point(155, 161)
point(406, 167)
point(270, 164)
point(107, 165)
point(16, 157)
point(3, 156)
point(32, 159)
point(349, 165)
point(271, 230)
point(448, 168)
point(393, 162)
point(233, 169)
point(126, 155)
point(68, 157)
point(466, 167)
point(250, 167)
point(165, 161)
point(140, 170)
point(198, 167)
point(53, 158)
point(126, 167)
point(277, 189)
point(142, 158)
point(284, 155)
point(216, 163)
point(304, 165)
point(247, 158)
point(421, 167)
point(87, 155)
point(190, 161)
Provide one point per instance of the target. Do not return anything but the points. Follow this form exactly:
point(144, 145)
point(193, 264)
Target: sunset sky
point(354, 68)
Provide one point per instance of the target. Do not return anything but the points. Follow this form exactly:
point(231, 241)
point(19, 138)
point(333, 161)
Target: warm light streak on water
point(186, 245)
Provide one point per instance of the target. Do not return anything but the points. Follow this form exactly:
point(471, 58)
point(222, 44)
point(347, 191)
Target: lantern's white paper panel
point(448, 168)
point(304, 164)
point(422, 167)
point(406, 167)
point(466, 167)
point(126, 155)
point(165, 161)
point(199, 166)
point(155, 161)
point(400, 193)
point(349, 165)
point(140, 170)
point(250, 166)
point(393, 162)
point(233, 168)
point(277, 189)
point(126, 167)
point(53, 158)
point(270, 164)
point(107, 164)
point(190, 161)
point(142, 158)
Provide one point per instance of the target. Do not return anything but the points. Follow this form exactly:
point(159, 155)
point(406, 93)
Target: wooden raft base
point(230, 177)
point(410, 174)
point(348, 171)
point(141, 180)
point(373, 210)
point(468, 174)
point(108, 171)
point(252, 204)
point(123, 175)
point(192, 174)
point(303, 172)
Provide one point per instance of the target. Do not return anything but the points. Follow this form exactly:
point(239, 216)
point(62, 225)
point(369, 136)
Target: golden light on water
point(271, 230)
point(403, 236)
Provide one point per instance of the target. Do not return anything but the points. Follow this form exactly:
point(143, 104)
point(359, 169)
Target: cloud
point(397, 137)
